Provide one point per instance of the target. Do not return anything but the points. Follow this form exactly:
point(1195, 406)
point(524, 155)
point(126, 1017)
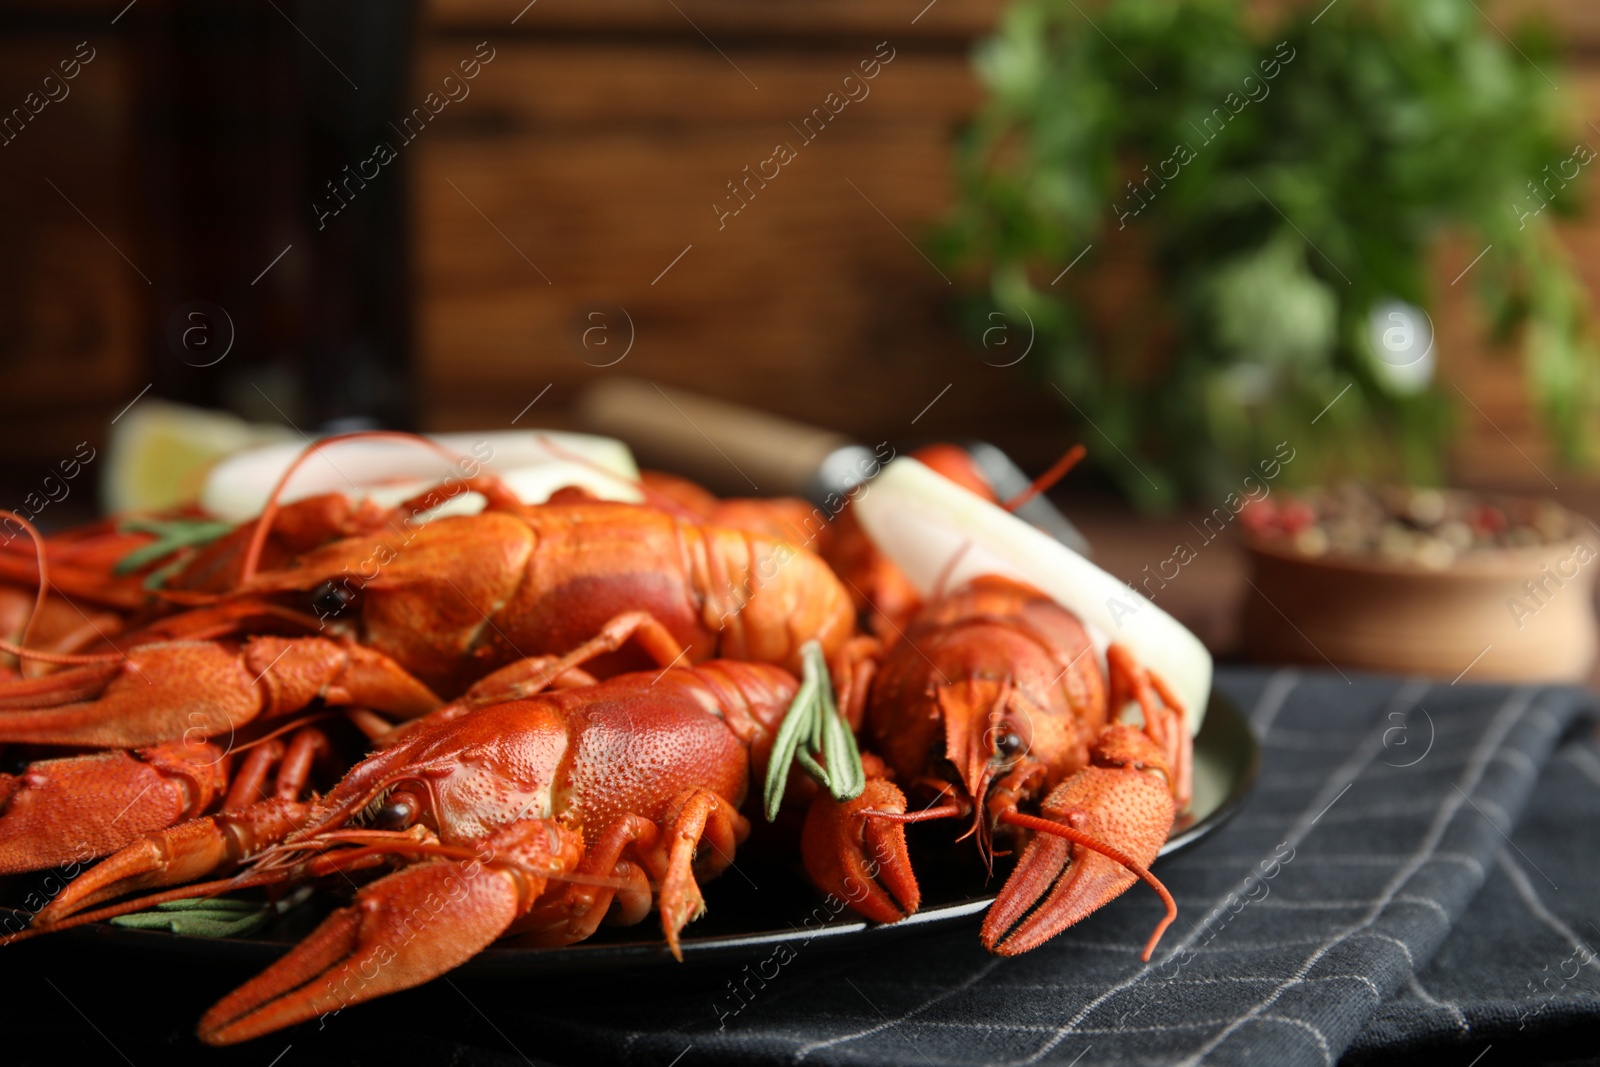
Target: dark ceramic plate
point(763, 902)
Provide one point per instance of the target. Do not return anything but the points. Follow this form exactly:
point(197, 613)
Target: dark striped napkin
point(1519, 971)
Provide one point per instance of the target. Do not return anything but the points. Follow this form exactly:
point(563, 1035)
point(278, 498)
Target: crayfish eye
point(330, 599)
point(399, 812)
point(1008, 745)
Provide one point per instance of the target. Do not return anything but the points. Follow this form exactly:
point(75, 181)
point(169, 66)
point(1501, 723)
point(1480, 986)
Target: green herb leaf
point(796, 723)
point(172, 535)
point(201, 917)
point(816, 736)
point(1290, 178)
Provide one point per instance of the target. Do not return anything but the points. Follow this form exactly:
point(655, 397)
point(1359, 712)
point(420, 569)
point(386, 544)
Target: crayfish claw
point(1039, 870)
point(176, 690)
point(68, 811)
point(861, 859)
point(401, 931)
point(1101, 829)
point(373, 947)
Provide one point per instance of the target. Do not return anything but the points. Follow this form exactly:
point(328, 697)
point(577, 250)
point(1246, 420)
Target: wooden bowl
point(1523, 614)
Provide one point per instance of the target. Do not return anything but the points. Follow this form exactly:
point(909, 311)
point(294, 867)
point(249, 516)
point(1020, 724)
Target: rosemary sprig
point(172, 536)
point(201, 917)
point(815, 735)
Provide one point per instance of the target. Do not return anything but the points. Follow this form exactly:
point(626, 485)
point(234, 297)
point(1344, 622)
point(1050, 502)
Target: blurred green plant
point(1285, 185)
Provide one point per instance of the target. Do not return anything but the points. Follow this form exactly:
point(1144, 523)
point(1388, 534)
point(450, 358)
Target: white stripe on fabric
point(1586, 763)
point(1535, 903)
point(1322, 1040)
point(807, 1049)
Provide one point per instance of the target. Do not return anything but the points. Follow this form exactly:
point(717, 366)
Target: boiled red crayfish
point(540, 816)
point(78, 807)
point(412, 610)
point(444, 603)
point(994, 703)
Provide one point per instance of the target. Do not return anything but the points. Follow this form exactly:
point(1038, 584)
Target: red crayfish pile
point(538, 718)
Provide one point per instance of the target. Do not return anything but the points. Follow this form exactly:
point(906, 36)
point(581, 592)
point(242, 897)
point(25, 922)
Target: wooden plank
point(807, 301)
point(600, 163)
point(69, 300)
point(540, 86)
point(726, 19)
point(1502, 442)
point(1577, 21)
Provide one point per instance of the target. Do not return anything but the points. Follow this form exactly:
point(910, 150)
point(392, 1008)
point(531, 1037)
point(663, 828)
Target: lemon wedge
point(160, 452)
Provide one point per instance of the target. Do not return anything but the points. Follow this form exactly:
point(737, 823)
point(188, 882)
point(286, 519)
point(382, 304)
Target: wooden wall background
point(597, 142)
point(598, 139)
point(71, 308)
point(585, 160)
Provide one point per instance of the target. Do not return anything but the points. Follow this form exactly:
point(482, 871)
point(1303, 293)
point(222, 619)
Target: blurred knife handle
point(726, 446)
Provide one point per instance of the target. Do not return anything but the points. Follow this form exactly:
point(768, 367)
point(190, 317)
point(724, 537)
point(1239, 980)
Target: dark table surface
point(1416, 878)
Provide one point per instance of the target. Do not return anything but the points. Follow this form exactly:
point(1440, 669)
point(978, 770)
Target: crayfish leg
point(618, 866)
point(1164, 719)
point(175, 855)
point(853, 668)
point(695, 816)
point(534, 674)
point(605, 875)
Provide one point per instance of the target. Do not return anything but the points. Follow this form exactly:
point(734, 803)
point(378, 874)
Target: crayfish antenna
point(1049, 478)
point(44, 575)
point(251, 561)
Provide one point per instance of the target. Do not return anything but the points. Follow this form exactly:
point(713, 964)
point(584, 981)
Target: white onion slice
point(923, 521)
point(532, 463)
